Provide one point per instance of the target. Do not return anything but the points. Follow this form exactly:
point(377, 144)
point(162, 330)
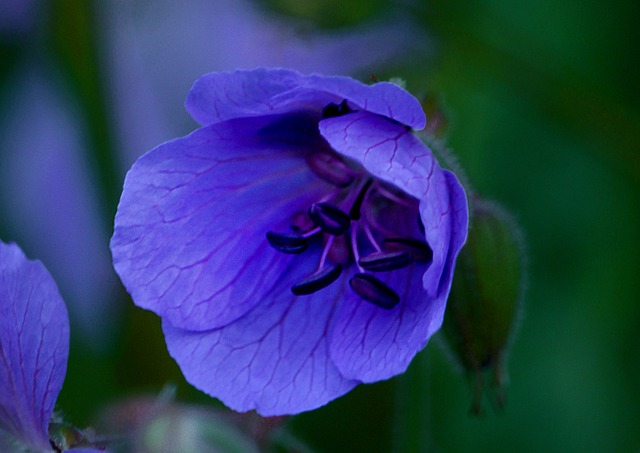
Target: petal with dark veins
point(275, 359)
point(390, 152)
point(190, 233)
point(34, 346)
point(370, 343)
point(221, 96)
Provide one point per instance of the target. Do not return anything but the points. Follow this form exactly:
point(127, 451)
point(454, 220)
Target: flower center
point(360, 225)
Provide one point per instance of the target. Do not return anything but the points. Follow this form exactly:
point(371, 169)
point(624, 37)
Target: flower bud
point(485, 299)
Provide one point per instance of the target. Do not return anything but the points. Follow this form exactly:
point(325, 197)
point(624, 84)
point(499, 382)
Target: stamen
point(287, 243)
point(330, 219)
point(354, 212)
point(384, 262)
point(317, 281)
point(373, 290)
point(330, 168)
point(325, 251)
point(354, 248)
point(419, 249)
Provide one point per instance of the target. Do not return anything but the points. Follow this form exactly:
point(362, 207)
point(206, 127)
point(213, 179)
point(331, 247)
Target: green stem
point(412, 418)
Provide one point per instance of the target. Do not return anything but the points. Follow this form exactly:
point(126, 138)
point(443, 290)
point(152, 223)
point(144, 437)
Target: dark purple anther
point(317, 281)
point(419, 249)
point(384, 262)
point(330, 219)
point(373, 290)
point(287, 243)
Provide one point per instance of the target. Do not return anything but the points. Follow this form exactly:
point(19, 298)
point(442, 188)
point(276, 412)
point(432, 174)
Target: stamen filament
point(312, 232)
point(373, 241)
point(325, 251)
point(354, 248)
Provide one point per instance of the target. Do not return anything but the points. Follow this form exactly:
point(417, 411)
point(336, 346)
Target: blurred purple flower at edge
point(301, 242)
point(17, 17)
point(34, 346)
point(157, 49)
point(49, 201)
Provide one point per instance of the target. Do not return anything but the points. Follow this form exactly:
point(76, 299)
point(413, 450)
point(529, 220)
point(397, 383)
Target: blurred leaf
point(76, 46)
point(482, 46)
point(362, 420)
point(412, 430)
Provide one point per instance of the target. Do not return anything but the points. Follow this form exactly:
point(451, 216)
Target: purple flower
point(17, 17)
point(34, 345)
point(156, 50)
point(48, 201)
point(301, 242)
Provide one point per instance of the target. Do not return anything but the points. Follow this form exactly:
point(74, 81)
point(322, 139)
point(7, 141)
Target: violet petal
point(275, 359)
point(370, 343)
point(220, 96)
point(390, 152)
point(34, 345)
point(189, 240)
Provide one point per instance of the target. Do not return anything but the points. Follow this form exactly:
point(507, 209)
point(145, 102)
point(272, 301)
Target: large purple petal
point(370, 343)
point(275, 359)
point(220, 96)
point(384, 98)
point(224, 95)
point(390, 152)
point(459, 219)
point(189, 240)
point(34, 344)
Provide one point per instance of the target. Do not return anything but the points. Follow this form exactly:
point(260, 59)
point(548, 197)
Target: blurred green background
point(541, 100)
